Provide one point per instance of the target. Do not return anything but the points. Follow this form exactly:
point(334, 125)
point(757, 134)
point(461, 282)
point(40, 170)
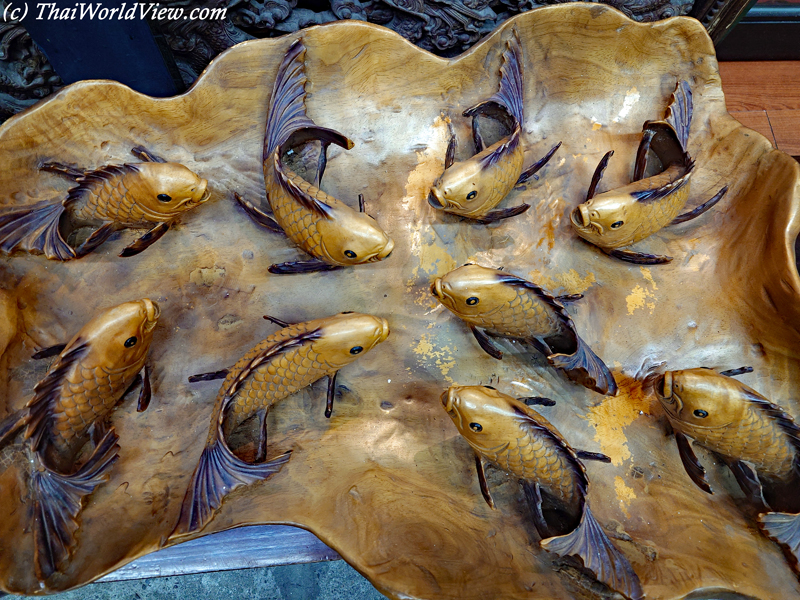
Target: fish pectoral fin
point(277, 321)
point(486, 343)
point(331, 395)
point(314, 265)
point(57, 502)
point(450, 154)
point(97, 237)
point(597, 176)
point(211, 376)
point(498, 215)
point(639, 258)
point(598, 456)
point(640, 164)
point(591, 544)
point(62, 169)
point(537, 401)
point(749, 483)
point(569, 298)
point(217, 474)
point(735, 372)
point(145, 393)
point(693, 467)
point(477, 137)
point(693, 214)
point(261, 449)
point(147, 240)
point(259, 216)
point(481, 471)
point(783, 528)
point(535, 167)
point(48, 352)
point(533, 494)
point(12, 424)
point(145, 155)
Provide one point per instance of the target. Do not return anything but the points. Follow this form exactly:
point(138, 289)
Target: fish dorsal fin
point(511, 92)
point(528, 420)
point(508, 146)
point(47, 392)
point(262, 357)
point(784, 420)
point(655, 194)
point(97, 178)
point(544, 295)
point(307, 200)
point(679, 112)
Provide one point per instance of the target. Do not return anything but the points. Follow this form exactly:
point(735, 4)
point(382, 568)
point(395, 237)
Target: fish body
point(320, 224)
point(473, 187)
point(505, 305)
point(73, 401)
point(731, 419)
point(739, 424)
point(285, 362)
point(136, 195)
point(521, 442)
point(621, 217)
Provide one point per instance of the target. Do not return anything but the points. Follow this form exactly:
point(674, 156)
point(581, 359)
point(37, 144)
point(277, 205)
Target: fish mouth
point(436, 288)
point(383, 254)
point(582, 220)
point(384, 331)
point(663, 385)
point(152, 313)
point(435, 199)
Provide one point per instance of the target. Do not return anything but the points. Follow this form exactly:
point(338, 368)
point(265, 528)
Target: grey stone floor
point(334, 580)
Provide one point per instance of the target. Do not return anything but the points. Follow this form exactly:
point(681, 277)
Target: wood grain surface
point(387, 482)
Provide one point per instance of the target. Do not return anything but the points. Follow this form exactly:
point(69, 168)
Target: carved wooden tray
point(387, 481)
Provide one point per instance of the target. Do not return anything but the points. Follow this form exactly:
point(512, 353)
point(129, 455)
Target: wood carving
point(388, 481)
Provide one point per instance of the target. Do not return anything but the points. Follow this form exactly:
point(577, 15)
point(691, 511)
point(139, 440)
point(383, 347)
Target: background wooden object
point(387, 481)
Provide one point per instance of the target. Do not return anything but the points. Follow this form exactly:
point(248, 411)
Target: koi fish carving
point(474, 187)
point(619, 218)
point(334, 234)
point(151, 194)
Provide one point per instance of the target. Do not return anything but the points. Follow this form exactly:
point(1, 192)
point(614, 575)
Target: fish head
point(486, 418)
point(463, 189)
point(349, 335)
point(119, 338)
point(353, 238)
point(165, 190)
point(701, 398)
point(472, 291)
point(609, 220)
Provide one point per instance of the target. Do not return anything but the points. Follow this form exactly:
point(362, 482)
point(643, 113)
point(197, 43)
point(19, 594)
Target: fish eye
point(164, 197)
point(349, 254)
point(131, 342)
point(476, 427)
point(471, 195)
point(472, 300)
point(356, 350)
point(617, 224)
point(700, 413)
point(490, 387)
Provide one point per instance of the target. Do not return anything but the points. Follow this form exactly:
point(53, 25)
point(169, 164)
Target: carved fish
point(618, 218)
point(151, 194)
point(744, 428)
point(520, 441)
point(473, 188)
point(285, 362)
point(502, 304)
point(73, 402)
point(324, 227)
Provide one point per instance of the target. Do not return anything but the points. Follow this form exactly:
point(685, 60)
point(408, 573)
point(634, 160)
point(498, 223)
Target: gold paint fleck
point(596, 126)
point(624, 494)
point(614, 414)
point(641, 297)
point(571, 281)
point(207, 276)
point(443, 357)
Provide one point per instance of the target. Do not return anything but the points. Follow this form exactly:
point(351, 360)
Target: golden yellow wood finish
point(388, 481)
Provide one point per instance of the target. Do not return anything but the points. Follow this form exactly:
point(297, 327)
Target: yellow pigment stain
point(442, 357)
point(643, 297)
point(614, 414)
point(624, 494)
point(571, 281)
point(596, 126)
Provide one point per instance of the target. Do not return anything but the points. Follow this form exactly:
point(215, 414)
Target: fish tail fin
point(589, 542)
point(783, 528)
point(57, 501)
point(12, 424)
point(586, 368)
point(679, 113)
point(511, 92)
point(287, 111)
point(35, 229)
point(218, 473)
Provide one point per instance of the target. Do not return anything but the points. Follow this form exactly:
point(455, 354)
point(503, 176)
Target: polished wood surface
point(387, 481)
